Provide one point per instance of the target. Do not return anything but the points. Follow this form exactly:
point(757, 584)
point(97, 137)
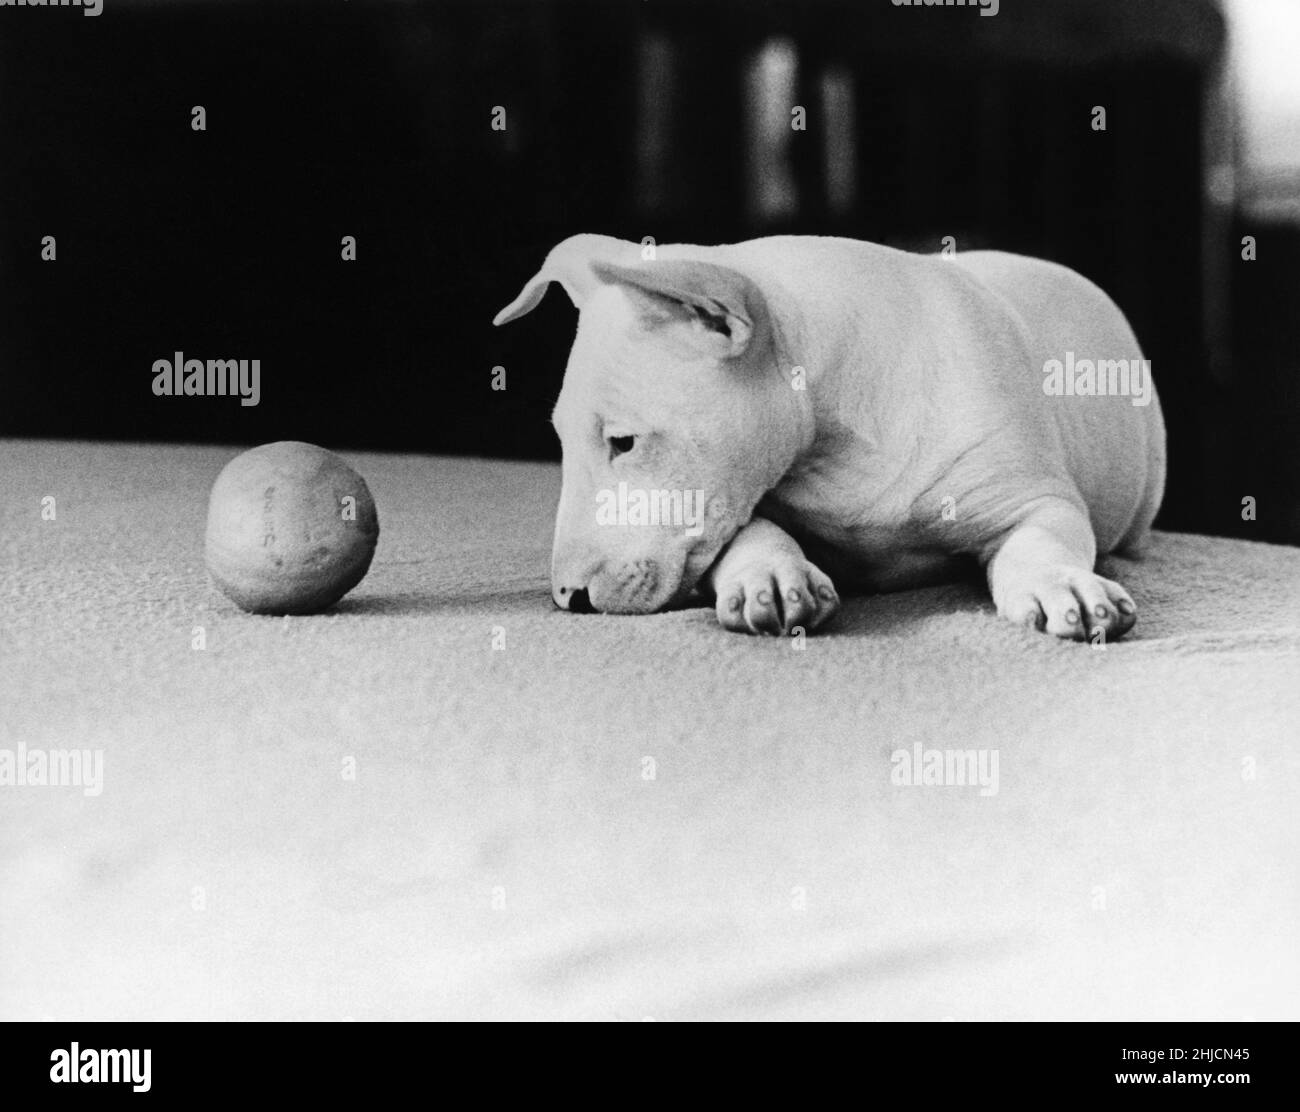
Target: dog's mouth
point(647, 586)
point(692, 589)
point(674, 580)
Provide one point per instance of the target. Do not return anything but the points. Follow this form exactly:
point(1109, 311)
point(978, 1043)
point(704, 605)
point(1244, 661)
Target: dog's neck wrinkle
point(849, 358)
point(790, 336)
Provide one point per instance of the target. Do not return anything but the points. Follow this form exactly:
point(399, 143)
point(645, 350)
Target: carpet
point(446, 799)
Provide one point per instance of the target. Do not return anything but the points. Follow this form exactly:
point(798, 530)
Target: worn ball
point(291, 529)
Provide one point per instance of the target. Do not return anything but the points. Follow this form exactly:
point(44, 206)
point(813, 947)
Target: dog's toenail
point(736, 602)
point(1100, 610)
point(1126, 606)
point(827, 593)
point(764, 597)
point(1071, 617)
point(793, 594)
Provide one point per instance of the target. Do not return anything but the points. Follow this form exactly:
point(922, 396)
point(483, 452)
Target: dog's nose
point(574, 599)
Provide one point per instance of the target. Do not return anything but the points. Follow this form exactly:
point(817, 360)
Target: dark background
point(327, 119)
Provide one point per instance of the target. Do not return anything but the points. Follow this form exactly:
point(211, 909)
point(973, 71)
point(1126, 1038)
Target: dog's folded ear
point(726, 305)
point(570, 264)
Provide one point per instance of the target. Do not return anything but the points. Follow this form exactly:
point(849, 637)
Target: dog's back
point(1068, 318)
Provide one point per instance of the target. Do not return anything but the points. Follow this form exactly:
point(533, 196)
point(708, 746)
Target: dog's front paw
point(1069, 603)
point(776, 597)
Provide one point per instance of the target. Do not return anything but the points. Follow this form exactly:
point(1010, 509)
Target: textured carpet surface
point(445, 799)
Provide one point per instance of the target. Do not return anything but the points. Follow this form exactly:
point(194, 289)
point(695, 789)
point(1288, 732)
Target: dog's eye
point(620, 445)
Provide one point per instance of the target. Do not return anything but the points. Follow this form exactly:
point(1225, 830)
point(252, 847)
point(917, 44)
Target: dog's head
point(673, 420)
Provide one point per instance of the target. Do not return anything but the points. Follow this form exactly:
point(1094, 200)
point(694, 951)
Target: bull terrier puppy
point(850, 416)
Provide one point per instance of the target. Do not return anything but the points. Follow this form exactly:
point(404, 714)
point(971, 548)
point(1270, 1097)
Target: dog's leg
point(765, 584)
point(1041, 574)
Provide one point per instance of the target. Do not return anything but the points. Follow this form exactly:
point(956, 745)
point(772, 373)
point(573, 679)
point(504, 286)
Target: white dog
point(833, 408)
